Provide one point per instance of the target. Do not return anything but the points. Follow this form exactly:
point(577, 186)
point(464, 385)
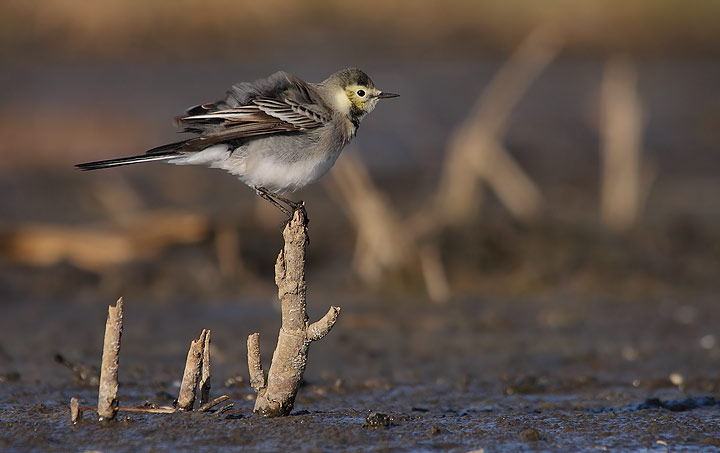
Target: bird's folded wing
point(263, 116)
point(293, 112)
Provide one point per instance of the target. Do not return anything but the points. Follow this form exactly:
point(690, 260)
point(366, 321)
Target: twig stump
point(276, 394)
point(108, 389)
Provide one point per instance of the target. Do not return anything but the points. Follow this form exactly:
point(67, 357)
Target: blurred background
point(563, 153)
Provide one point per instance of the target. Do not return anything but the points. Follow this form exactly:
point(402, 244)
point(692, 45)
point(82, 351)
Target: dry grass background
point(120, 27)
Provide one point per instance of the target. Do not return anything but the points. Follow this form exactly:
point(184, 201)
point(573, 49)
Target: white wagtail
point(276, 134)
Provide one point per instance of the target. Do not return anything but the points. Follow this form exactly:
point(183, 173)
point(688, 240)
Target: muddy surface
point(496, 374)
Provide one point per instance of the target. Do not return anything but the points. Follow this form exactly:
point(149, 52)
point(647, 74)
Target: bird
point(276, 134)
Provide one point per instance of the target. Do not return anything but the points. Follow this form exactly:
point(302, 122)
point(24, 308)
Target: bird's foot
point(288, 207)
point(294, 205)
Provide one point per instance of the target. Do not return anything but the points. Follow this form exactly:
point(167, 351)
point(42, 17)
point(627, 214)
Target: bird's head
point(353, 93)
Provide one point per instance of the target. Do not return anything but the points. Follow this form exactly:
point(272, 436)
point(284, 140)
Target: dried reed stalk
point(385, 243)
point(476, 153)
point(621, 125)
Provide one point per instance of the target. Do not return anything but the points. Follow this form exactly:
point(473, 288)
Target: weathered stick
point(142, 410)
point(476, 153)
point(191, 376)
point(75, 412)
point(149, 410)
point(205, 375)
point(107, 393)
point(276, 396)
point(225, 408)
point(622, 121)
point(257, 377)
point(209, 405)
point(436, 280)
point(384, 241)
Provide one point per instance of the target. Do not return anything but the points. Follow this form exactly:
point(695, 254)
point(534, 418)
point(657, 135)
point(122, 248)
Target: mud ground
point(525, 374)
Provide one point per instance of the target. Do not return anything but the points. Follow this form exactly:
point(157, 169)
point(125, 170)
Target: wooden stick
point(474, 153)
point(257, 375)
point(496, 166)
point(317, 330)
point(225, 408)
point(621, 130)
point(191, 376)
point(277, 397)
point(205, 376)
point(145, 410)
point(75, 412)
point(149, 410)
point(209, 405)
point(384, 241)
point(436, 282)
point(107, 392)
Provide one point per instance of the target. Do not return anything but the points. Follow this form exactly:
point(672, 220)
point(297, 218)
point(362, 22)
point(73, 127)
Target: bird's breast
point(282, 176)
point(288, 164)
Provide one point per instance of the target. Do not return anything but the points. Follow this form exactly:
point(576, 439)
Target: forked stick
point(192, 373)
point(276, 394)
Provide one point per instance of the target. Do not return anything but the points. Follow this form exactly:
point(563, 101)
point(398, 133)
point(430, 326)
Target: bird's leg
point(295, 205)
point(267, 195)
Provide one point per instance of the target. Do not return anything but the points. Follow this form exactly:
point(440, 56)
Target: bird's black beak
point(384, 95)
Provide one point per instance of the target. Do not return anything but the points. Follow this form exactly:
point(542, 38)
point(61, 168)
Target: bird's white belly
point(264, 169)
point(280, 177)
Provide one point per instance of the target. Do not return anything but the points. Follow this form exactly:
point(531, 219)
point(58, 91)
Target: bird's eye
point(361, 93)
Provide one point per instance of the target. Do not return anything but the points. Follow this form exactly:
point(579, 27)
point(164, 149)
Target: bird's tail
point(164, 152)
point(125, 161)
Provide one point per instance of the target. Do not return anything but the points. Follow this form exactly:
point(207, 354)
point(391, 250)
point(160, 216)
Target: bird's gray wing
point(281, 103)
point(305, 116)
point(265, 116)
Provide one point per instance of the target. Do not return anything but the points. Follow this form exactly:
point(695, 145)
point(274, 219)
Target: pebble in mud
point(530, 435)
point(377, 420)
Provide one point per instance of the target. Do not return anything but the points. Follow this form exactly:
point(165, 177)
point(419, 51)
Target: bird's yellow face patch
point(362, 97)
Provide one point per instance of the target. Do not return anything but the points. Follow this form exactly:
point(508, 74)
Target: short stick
point(142, 410)
point(191, 376)
point(107, 392)
point(75, 412)
point(257, 376)
point(321, 327)
point(207, 406)
point(226, 408)
point(205, 376)
point(149, 410)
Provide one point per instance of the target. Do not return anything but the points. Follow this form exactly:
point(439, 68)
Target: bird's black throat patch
point(356, 114)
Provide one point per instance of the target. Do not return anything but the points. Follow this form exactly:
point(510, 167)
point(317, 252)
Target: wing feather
point(282, 103)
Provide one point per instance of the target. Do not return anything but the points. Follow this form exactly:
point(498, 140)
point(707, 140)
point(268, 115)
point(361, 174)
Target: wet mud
point(406, 376)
